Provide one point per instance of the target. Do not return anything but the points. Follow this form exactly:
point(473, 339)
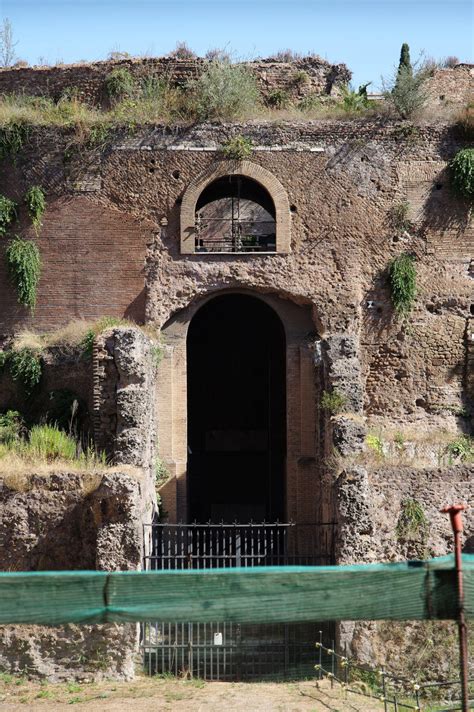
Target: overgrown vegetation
point(7, 213)
point(375, 443)
point(11, 425)
point(462, 172)
point(26, 367)
point(405, 91)
point(402, 276)
point(412, 522)
point(333, 401)
point(226, 91)
point(119, 84)
point(24, 267)
point(460, 450)
point(36, 204)
point(237, 148)
point(106, 322)
point(14, 133)
point(278, 98)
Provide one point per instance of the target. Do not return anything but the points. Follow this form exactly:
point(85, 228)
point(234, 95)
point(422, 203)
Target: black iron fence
point(224, 650)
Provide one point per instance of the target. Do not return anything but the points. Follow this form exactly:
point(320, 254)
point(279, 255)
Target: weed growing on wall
point(278, 99)
point(11, 425)
point(460, 450)
point(375, 443)
point(119, 84)
point(412, 522)
point(333, 401)
point(24, 267)
point(13, 136)
point(462, 172)
point(7, 213)
point(25, 367)
point(237, 148)
point(36, 204)
point(398, 216)
point(402, 276)
point(106, 322)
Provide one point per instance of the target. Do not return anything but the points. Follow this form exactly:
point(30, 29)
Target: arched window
point(235, 207)
point(235, 214)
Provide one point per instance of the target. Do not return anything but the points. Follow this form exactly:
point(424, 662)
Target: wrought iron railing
point(223, 650)
point(235, 235)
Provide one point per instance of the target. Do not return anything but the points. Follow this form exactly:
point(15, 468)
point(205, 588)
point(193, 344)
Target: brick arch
point(250, 170)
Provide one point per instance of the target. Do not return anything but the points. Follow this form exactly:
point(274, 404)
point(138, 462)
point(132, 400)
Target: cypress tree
point(405, 63)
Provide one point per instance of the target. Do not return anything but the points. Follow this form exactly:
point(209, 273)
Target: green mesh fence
point(412, 590)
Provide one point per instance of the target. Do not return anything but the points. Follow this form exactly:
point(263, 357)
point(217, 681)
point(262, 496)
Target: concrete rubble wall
point(65, 521)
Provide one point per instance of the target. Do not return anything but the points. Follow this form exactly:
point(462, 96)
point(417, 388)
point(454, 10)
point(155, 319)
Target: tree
point(404, 65)
point(7, 45)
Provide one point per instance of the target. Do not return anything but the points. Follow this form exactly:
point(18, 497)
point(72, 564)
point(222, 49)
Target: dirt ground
point(169, 695)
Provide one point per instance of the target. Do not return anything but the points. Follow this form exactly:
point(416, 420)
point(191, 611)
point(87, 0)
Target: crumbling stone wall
point(88, 80)
point(369, 506)
point(124, 398)
point(450, 88)
point(63, 521)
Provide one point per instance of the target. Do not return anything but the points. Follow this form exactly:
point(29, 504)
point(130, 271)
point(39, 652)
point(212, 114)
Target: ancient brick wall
point(87, 81)
point(450, 88)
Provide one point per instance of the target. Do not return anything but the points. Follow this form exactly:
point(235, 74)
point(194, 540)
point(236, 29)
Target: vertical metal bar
point(455, 515)
point(332, 664)
point(384, 690)
point(320, 654)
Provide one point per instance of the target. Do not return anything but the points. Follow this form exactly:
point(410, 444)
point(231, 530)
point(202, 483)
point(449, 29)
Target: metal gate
point(224, 650)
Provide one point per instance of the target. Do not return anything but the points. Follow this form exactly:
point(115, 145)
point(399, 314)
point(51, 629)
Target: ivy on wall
point(462, 172)
point(36, 203)
point(7, 213)
point(24, 267)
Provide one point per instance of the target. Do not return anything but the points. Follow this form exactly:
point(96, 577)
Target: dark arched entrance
point(236, 411)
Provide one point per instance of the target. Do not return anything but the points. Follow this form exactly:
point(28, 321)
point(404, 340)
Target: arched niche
point(264, 202)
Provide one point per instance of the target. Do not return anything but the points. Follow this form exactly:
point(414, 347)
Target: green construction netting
point(411, 590)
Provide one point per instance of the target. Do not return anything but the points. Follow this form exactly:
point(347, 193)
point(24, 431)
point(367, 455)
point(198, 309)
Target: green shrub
point(24, 267)
point(13, 136)
point(225, 92)
point(333, 402)
point(462, 172)
point(182, 51)
point(412, 522)
point(7, 213)
point(278, 99)
point(11, 424)
point(375, 443)
point(300, 78)
point(119, 84)
point(50, 443)
point(460, 449)
point(156, 354)
point(237, 148)
point(402, 275)
point(355, 101)
point(408, 96)
point(36, 204)
point(25, 367)
point(162, 474)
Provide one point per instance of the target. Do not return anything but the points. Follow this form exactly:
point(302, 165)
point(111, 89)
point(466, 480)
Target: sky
point(364, 34)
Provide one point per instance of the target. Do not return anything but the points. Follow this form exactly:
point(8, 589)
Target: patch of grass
point(333, 401)
point(36, 204)
point(237, 148)
point(48, 443)
point(157, 355)
point(402, 278)
point(106, 322)
point(24, 267)
point(7, 213)
point(412, 522)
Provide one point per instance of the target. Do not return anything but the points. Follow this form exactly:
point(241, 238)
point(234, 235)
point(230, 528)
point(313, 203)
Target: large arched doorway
point(236, 411)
